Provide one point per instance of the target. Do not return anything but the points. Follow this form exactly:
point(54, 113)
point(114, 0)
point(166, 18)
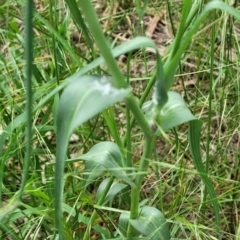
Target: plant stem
point(141, 101)
point(135, 191)
point(144, 162)
point(29, 66)
point(104, 48)
point(119, 82)
point(112, 125)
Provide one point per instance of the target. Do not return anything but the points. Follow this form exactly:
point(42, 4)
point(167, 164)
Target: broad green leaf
point(84, 98)
point(113, 191)
point(92, 171)
point(194, 141)
point(81, 100)
point(174, 113)
point(136, 43)
point(108, 155)
point(123, 224)
point(151, 223)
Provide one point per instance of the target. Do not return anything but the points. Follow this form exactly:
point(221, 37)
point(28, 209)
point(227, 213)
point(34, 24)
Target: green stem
point(112, 125)
point(135, 191)
point(54, 43)
point(178, 39)
point(138, 114)
point(119, 82)
point(144, 162)
point(129, 162)
point(104, 48)
point(29, 65)
point(141, 101)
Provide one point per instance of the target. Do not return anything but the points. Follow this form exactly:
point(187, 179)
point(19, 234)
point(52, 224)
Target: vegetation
point(95, 100)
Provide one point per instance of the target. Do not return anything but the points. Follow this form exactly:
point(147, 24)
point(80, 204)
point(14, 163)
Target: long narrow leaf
point(29, 63)
point(79, 20)
point(194, 141)
point(80, 101)
point(170, 67)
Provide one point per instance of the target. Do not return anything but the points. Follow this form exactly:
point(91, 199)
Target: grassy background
point(172, 184)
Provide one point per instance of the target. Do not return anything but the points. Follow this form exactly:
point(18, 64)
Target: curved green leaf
point(84, 98)
point(174, 113)
point(151, 223)
point(92, 171)
point(80, 101)
point(194, 141)
point(108, 155)
point(123, 224)
point(113, 191)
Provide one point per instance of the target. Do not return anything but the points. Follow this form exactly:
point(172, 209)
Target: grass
point(207, 78)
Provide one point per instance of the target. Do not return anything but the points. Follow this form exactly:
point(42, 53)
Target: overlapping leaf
point(174, 113)
point(151, 223)
point(107, 155)
point(81, 100)
point(113, 191)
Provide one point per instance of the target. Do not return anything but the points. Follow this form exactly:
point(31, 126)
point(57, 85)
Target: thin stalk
point(94, 214)
point(144, 162)
point(29, 65)
point(129, 162)
point(141, 11)
point(112, 125)
point(174, 34)
point(135, 191)
point(138, 114)
point(141, 101)
point(54, 41)
point(209, 120)
point(178, 39)
point(104, 48)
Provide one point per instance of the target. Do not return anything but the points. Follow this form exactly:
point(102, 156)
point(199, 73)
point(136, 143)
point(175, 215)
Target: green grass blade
point(186, 9)
point(160, 92)
point(29, 63)
point(79, 20)
point(136, 43)
point(60, 39)
point(171, 66)
point(194, 141)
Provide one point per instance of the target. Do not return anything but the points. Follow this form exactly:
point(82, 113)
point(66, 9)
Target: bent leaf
point(108, 155)
point(194, 141)
point(151, 223)
point(92, 171)
point(83, 98)
point(113, 191)
point(174, 113)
